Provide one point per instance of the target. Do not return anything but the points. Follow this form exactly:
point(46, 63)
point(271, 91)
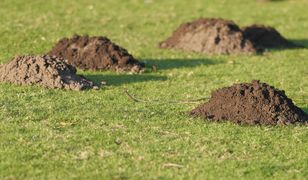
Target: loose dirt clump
point(46, 71)
point(96, 53)
point(266, 37)
point(251, 103)
point(210, 36)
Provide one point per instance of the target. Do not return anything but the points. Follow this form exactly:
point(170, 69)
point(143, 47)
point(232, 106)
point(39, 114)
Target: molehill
point(224, 37)
point(266, 37)
point(46, 71)
point(251, 103)
point(96, 53)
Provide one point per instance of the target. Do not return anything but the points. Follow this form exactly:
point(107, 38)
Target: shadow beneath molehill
point(296, 44)
point(305, 109)
point(120, 79)
point(302, 43)
point(164, 64)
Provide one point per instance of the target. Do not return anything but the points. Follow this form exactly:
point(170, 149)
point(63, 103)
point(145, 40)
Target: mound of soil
point(46, 71)
point(96, 53)
point(266, 37)
point(210, 36)
point(251, 103)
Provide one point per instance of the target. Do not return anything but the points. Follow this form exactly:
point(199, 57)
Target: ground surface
point(56, 133)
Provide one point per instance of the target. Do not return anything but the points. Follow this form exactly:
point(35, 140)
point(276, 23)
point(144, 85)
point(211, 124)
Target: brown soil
point(46, 71)
point(210, 36)
point(251, 103)
point(96, 53)
point(266, 37)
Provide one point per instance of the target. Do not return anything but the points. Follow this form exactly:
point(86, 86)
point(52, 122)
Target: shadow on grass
point(164, 64)
point(119, 79)
point(302, 43)
point(305, 109)
point(296, 45)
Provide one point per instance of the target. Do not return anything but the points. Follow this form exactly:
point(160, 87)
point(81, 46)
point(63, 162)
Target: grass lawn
point(56, 134)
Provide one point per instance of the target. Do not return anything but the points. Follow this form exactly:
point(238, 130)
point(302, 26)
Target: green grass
point(56, 134)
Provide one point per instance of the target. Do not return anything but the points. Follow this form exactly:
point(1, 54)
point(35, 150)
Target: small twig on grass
point(135, 99)
point(167, 165)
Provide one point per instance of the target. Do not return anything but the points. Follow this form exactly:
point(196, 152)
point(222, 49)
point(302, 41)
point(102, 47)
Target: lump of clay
point(46, 71)
point(251, 103)
point(266, 37)
point(210, 36)
point(96, 53)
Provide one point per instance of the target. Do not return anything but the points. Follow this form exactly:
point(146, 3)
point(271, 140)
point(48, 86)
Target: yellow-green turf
point(59, 134)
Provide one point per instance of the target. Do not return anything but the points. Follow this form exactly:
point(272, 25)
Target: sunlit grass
point(58, 134)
